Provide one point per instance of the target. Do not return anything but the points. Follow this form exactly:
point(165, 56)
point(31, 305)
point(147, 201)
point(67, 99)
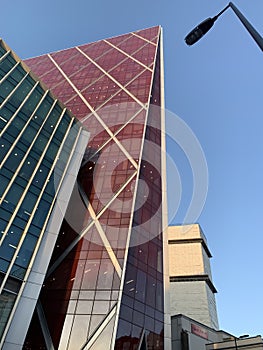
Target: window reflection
point(7, 301)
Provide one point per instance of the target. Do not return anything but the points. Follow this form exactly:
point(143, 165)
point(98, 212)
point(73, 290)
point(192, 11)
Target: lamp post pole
point(236, 343)
point(252, 31)
point(199, 31)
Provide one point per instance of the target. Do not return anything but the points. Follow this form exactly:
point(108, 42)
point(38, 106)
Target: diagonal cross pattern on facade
point(106, 281)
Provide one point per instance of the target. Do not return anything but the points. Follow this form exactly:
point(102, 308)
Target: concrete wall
point(198, 334)
point(189, 268)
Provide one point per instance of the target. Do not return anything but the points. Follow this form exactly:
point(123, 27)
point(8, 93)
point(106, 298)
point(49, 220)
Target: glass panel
point(41, 213)
point(52, 119)
point(4, 264)
point(42, 110)
point(22, 90)
point(6, 87)
point(5, 144)
point(29, 201)
point(101, 307)
point(28, 167)
point(7, 111)
point(6, 65)
point(79, 332)
point(4, 213)
point(26, 250)
point(9, 245)
point(105, 274)
point(29, 134)
point(18, 272)
point(7, 301)
point(2, 50)
point(14, 194)
point(32, 101)
point(3, 183)
point(90, 275)
point(105, 338)
point(19, 73)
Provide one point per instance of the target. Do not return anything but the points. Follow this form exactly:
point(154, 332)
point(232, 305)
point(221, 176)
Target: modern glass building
point(39, 141)
point(107, 282)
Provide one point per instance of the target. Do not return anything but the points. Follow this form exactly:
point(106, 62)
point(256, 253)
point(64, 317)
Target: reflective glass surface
point(37, 136)
point(109, 85)
point(142, 308)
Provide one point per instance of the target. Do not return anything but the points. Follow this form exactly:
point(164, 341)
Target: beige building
point(251, 343)
point(192, 292)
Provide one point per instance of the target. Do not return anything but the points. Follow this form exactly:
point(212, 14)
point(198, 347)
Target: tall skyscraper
point(192, 290)
point(107, 281)
point(42, 146)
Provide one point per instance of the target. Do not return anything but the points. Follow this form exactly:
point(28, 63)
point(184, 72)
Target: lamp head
point(199, 31)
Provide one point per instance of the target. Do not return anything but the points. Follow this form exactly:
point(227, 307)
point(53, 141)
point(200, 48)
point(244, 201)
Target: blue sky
point(216, 88)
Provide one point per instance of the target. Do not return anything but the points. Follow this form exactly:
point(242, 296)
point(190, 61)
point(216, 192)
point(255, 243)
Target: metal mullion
point(35, 207)
point(134, 78)
point(5, 55)
point(32, 176)
point(95, 81)
point(113, 79)
point(105, 241)
point(125, 260)
point(101, 232)
point(165, 250)
point(82, 97)
point(128, 122)
point(116, 133)
point(25, 126)
point(125, 53)
point(15, 88)
point(121, 89)
point(25, 156)
point(9, 72)
point(141, 37)
point(10, 291)
point(17, 111)
point(116, 194)
point(92, 109)
point(21, 132)
point(131, 57)
point(103, 103)
point(100, 328)
point(44, 326)
point(108, 99)
point(55, 195)
point(83, 233)
point(69, 248)
point(39, 239)
point(123, 149)
point(68, 59)
point(54, 68)
point(86, 87)
point(98, 117)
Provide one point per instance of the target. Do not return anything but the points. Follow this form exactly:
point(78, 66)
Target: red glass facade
point(104, 288)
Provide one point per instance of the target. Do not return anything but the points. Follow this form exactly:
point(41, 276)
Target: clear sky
point(216, 88)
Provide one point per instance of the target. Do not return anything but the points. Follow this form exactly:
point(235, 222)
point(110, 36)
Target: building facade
point(40, 141)
point(189, 334)
point(107, 282)
point(192, 291)
point(233, 343)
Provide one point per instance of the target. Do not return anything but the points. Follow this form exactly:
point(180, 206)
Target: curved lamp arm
point(199, 31)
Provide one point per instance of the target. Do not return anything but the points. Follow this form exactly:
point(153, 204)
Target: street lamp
point(241, 337)
point(199, 31)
